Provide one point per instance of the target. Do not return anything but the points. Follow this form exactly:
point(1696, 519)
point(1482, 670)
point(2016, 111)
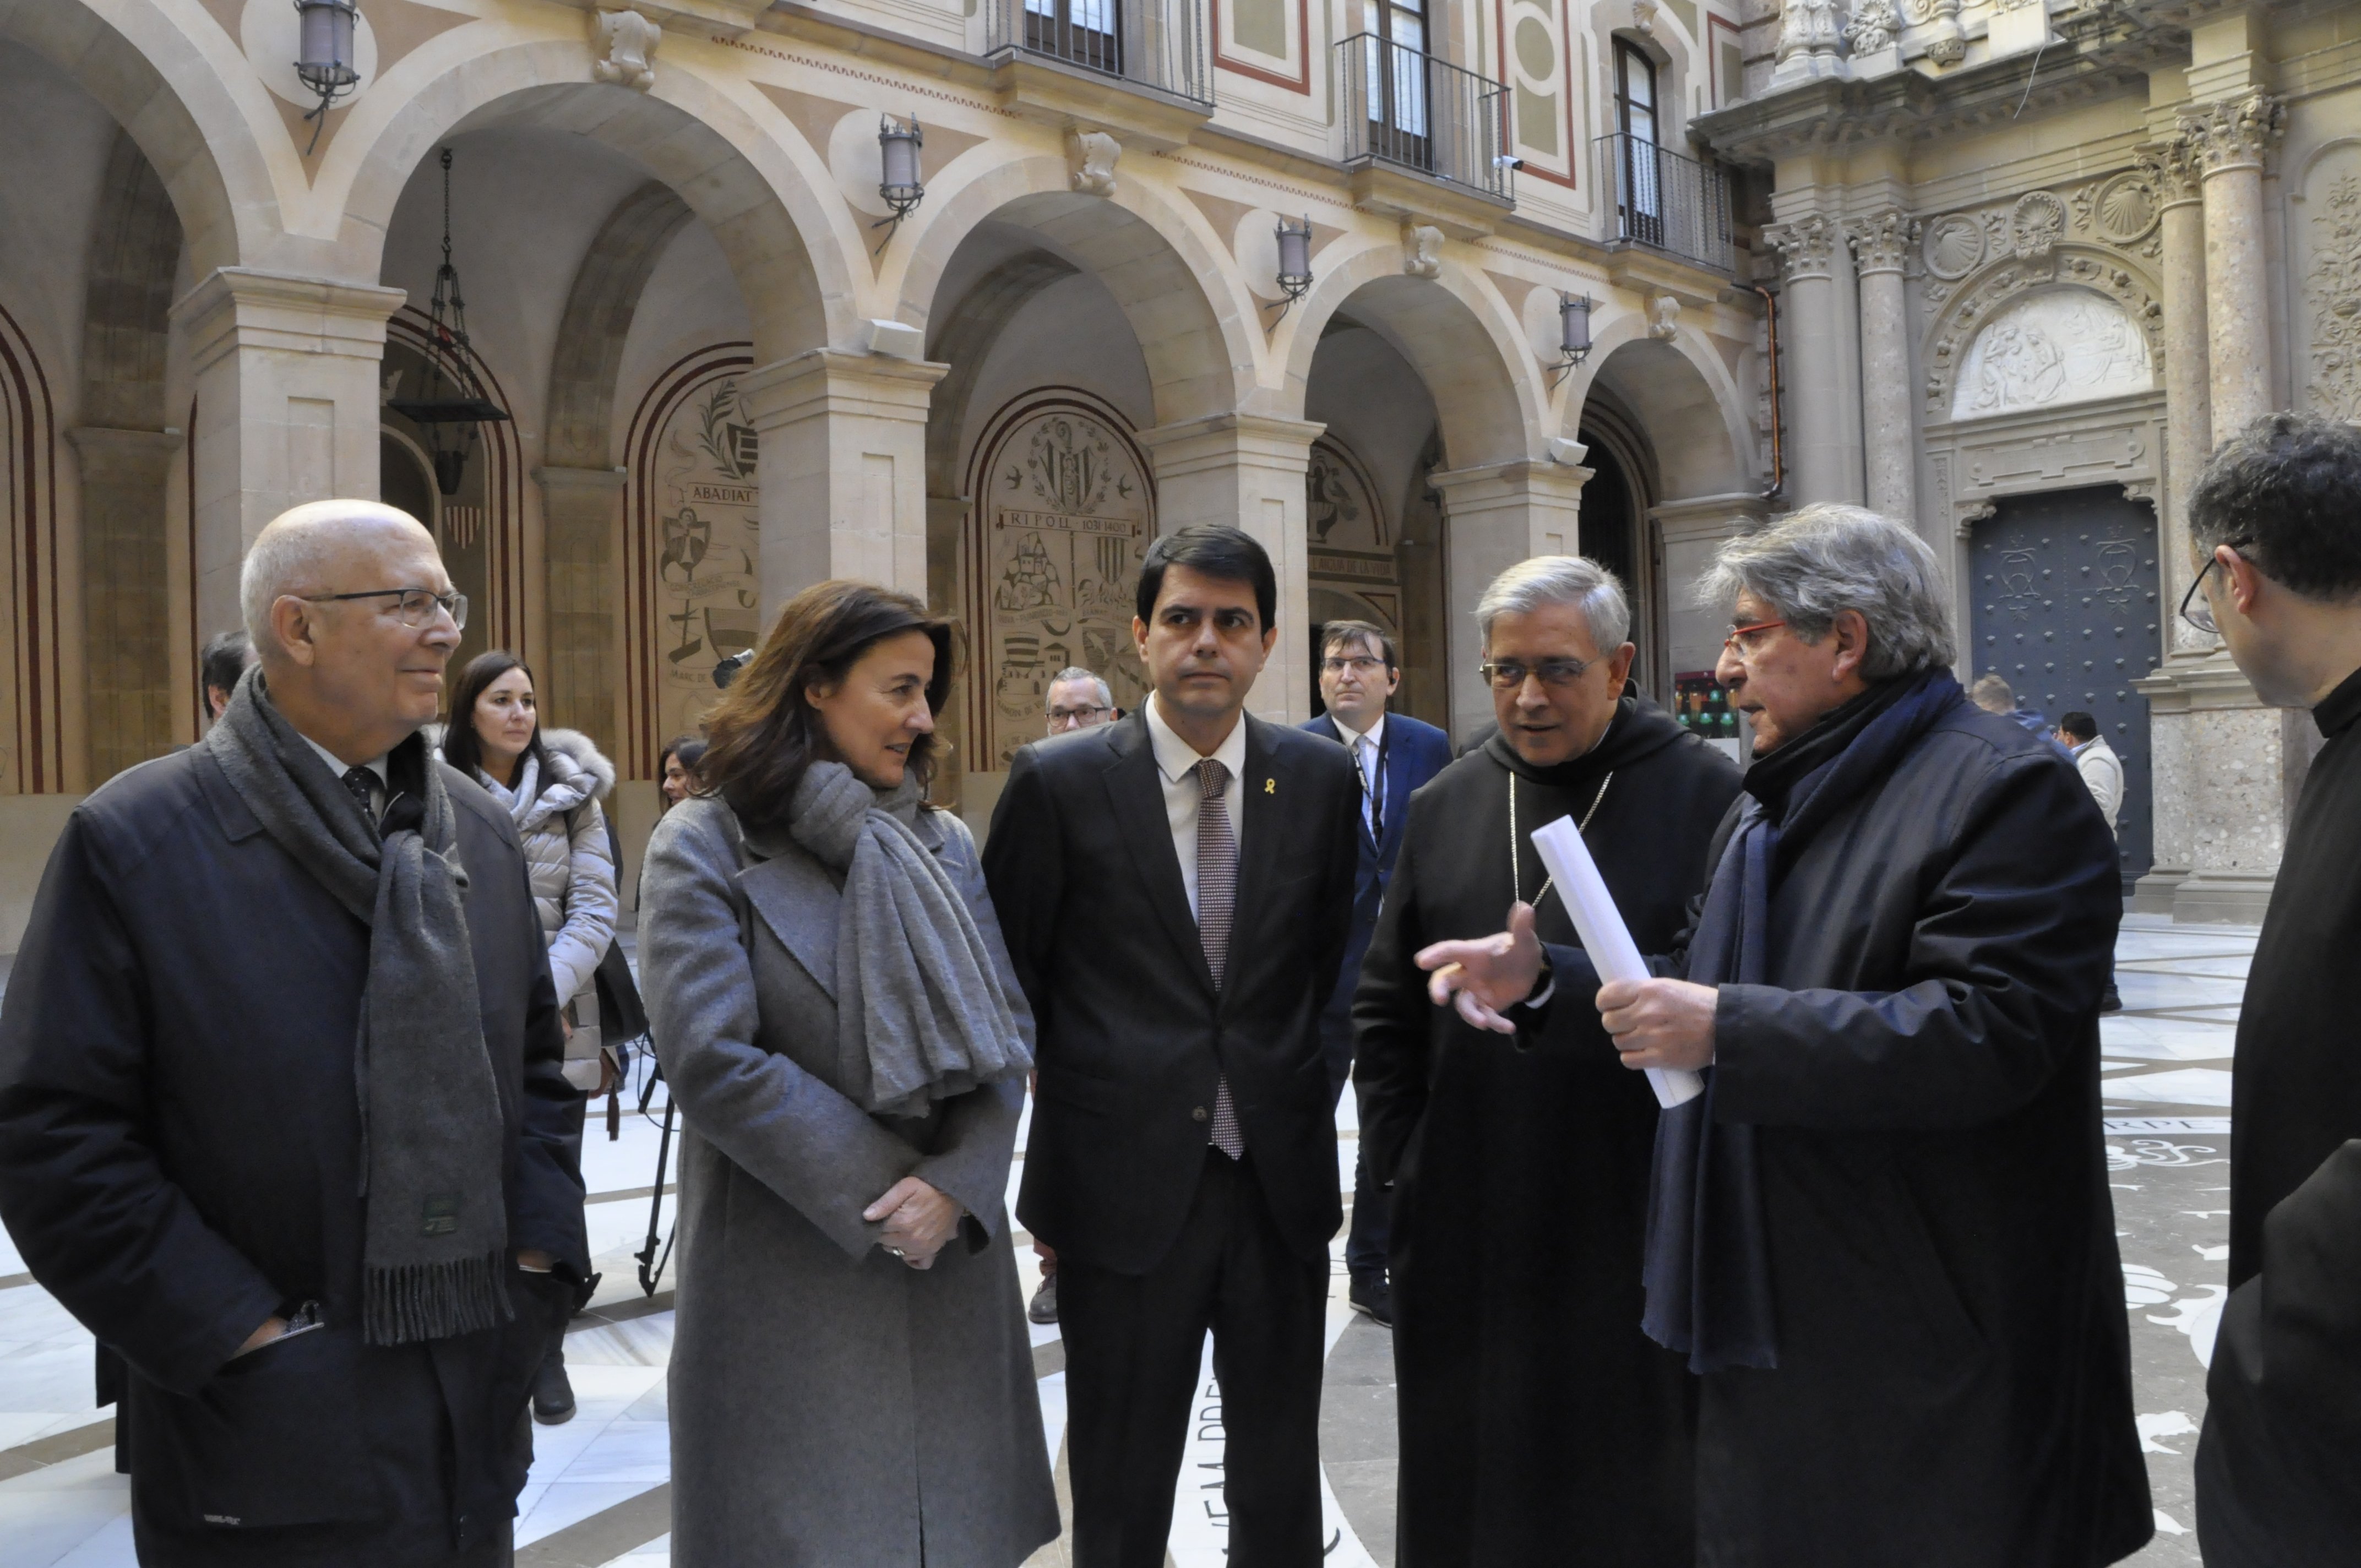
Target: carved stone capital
point(2172, 171)
point(1807, 247)
point(2235, 133)
point(1883, 241)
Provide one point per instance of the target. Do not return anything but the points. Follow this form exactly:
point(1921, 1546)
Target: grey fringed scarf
point(921, 1014)
point(432, 1131)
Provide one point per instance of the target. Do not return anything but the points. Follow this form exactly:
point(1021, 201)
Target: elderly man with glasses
point(1882, 1235)
point(316, 1188)
point(1078, 699)
point(1538, 1425)
point(2273, 520)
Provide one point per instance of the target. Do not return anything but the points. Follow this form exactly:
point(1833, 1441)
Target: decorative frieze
point(2331, 284)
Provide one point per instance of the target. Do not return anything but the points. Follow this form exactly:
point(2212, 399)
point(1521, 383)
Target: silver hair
point(1543, 580)
point(1076, 672)
point(1822, 560)
point(294, 553)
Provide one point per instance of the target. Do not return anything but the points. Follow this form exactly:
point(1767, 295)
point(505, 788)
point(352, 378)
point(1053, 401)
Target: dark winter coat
point(1534, 1412)
point(1954, 1380)
point(180, 1157)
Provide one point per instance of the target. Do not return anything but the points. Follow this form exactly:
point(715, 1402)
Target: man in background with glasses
point(1392, 754)
point(1078, 699)
point(1534, 1413)
point(313, 1186)
point(2275, 520)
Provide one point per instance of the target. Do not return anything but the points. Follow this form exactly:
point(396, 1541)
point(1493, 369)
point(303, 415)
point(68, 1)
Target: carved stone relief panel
point(2328, 233)
point(2052, 347)
point(2019, 362)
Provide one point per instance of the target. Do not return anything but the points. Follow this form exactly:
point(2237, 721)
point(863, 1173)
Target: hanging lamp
point(450, 403)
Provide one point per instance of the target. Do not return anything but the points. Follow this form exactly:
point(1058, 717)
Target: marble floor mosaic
point(599, 1488)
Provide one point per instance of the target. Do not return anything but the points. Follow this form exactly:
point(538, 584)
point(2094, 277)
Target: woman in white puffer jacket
point(551, 782)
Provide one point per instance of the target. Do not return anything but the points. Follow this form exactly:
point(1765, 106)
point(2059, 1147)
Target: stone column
point(286, 370)
point(1890, 455)
point(127, 663)
point(1493, 518)
point(581, 511)
point(843, 469)
point(1247, 470)
point(2171, 168)
point(1822, 380)
point(2231, 140)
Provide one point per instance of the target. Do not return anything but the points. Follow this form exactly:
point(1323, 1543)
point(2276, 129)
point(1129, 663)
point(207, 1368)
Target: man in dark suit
point(1176, 890)
point(1392, 755)
point(312, 1187)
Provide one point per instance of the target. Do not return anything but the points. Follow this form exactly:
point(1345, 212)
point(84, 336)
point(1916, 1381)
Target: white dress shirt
point(1369, 752)
point(1176, 763)
point(379, 791)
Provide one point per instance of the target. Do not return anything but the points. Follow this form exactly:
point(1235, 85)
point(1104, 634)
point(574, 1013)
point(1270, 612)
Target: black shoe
point(1044, 1306)
point(2110, 1003)
point(553, 1393)
point(1372, 1296)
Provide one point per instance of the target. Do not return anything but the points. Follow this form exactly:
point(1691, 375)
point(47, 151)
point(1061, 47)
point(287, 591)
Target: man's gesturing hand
point(1484, 979)
point(1659, 1022)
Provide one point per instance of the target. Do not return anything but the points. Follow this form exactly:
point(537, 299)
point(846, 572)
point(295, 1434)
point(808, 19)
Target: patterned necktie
point(358, 782)
point(1217, 893)
point(1372, 769)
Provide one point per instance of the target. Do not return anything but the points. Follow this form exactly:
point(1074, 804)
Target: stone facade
point(2085, 243)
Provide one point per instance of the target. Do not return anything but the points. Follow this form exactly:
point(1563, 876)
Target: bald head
point(302, 550)
point(322, 591)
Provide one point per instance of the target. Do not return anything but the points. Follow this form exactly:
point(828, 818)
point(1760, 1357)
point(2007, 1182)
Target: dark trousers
point(1134, 1343)
point(1365, 1242)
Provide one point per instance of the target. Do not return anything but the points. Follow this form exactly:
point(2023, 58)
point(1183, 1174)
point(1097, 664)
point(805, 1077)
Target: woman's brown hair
point(462, 745)
point(764, 734)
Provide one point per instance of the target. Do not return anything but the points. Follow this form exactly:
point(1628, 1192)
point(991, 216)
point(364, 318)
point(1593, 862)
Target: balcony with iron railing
point(1667, 202)
point(1156, 45)
point(1409, 110)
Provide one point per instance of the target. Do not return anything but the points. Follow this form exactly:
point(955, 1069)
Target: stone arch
point(1975, 298)
point(1456, 333)
point(1177, 288)
point(747, 185)
point(964, 342)
point(127, 457)
point(1681, 398)
point(188, 126)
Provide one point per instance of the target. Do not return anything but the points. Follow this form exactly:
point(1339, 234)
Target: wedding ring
point(897, 1252)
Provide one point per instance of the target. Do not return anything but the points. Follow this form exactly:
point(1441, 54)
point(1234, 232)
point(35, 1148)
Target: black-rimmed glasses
point(417, 607)
point(2195, 608)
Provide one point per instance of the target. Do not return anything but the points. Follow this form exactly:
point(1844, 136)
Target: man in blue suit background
point(1392, 755)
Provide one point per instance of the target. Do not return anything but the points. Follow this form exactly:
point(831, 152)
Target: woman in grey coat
point(852, 1380)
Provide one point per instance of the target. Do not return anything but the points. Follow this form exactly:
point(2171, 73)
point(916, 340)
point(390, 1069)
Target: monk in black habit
point(1538, 1425)
point(2279, 1467)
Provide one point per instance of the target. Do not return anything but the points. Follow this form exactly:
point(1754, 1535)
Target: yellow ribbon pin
point(1270, 787)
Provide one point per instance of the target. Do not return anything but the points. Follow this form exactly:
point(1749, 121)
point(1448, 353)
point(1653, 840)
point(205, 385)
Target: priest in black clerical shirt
point(2276, 521)
point(1536, 1419)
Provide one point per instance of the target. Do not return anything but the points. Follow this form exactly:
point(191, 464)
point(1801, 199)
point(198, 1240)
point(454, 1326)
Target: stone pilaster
point(1818, 333)
point(1497, 516)
point(2171, 168)
point(127, 665)
point(286, 370)
point(1882, 242)
point(1247, 470)
point(843, 469)
point(2231, 140)
point(581, 511)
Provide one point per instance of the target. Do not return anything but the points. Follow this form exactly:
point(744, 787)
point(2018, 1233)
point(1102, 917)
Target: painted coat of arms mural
point(708, 584)
point(1064, 515)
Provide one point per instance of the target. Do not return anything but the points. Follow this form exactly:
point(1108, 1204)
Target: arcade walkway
point(599, 1494)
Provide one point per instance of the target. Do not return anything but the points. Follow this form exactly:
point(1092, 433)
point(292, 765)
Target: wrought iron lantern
point(1573, 332)
point(1294, 260)
point(899, 185)
point(451, 402)
point(325, 55)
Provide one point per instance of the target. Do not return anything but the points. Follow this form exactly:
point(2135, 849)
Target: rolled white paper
point(1604, 936)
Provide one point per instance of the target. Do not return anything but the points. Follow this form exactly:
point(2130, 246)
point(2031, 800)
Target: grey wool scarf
point(921, 1014)
point(432, 1131)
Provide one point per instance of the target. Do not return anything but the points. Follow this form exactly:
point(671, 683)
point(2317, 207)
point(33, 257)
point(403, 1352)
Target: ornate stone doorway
point(2066, 607)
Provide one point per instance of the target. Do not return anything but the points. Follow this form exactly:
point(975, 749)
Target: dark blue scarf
point(1707, 1267)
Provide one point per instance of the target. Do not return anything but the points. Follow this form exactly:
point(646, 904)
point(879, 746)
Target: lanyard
point(1373, 791)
